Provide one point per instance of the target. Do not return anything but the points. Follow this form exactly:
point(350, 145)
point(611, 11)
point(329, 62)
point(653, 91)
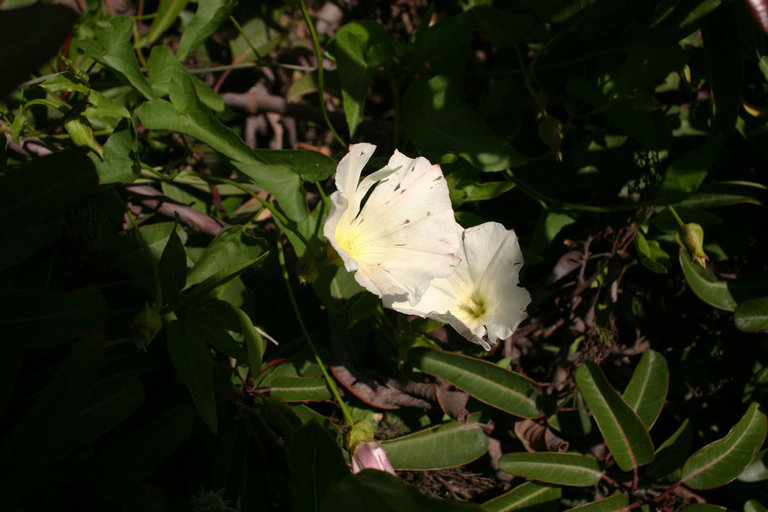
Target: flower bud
point(306, 270)
point(691, 237)
point(550, 131)
point(145, 326)
point(370, 455)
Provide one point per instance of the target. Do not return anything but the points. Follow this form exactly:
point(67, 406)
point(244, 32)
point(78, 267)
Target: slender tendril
point(675, 215)
point(320, 78)
point(328, 379)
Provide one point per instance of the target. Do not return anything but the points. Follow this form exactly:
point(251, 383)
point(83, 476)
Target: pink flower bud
point(371, 455)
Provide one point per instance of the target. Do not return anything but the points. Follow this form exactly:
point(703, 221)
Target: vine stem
point(675, 215)
point(328, 379)
point(320, 78)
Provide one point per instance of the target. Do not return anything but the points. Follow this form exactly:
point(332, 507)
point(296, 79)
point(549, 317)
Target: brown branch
point(155, 200)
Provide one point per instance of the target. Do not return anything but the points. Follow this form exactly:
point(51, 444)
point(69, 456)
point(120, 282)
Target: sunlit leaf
point(723, 460)
point(557, 468)
point(209, 16)
point(298, 389)
point(530, 496)
point(503, 389)
point(622, 428)
point(166, 14)
point(647, 390)
point(752, 315)
point(439, 447)
point(613, 503)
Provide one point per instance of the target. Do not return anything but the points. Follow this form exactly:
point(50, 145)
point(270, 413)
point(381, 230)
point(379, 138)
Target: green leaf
point(232, 251)
point(102, 107)
point(187, 114)
point(173, 268)
point(353, 42)
point(707, 287)
point(216, 320)
point(254, 341)
point(190, 357)
point(757, 470)
point(651, 255)
point(647, 389)
point(258, 34)
point(41, 434)
point(439, 121)
point(128, 459)
point(208, 17)
point(281, 174)
point(623, 431)
point(685, 175)
point(166, 14)
point(113, 48)
point(29, 36)
point(114, 400)
point(36, 191)
point(613, 503)
point(162, 68)
point(121, 156)
point(439, 447)
point(503, 389)
point(33, 320)
point(298, 389)
point(723, 460)
point(316, 463)
point(704, 507)
point(440, 48)
point(378, 491)
point(672, 452)
point(752, 315)
point(557, 468)
point(81, 134)
point(528, 497)
point(754, 506)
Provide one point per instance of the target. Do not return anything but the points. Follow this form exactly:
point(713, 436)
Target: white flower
point(394, 229)
point(481, 300)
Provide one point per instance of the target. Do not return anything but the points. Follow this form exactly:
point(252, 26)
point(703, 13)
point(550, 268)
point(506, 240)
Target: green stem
point(320, 79)
point(328, 379)
point(675, 215)
point(247, 41)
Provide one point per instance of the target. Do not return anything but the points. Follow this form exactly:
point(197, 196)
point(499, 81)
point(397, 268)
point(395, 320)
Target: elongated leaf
point(623, 431)
point(707, 287)
point(38, 439)
point(704, 507)
point(647, 390)
point(166, 14)
point(721, 461)
point(29, 36)
point(439, 447)
point(610, 504)
point(114, 49)
point(439, 121)
point(208, 17)
point(528, 497)
point(231, 252)
point(754, 506)
point(353, 43)
point(378, 491)
point(187, 114)
point(316, 463)
point(163, 66)
point(254, 341)
point(173, 268)
point(39, 320)
point(555, 468)
point(189, 355)
point(299, 389)
point(752, 315)
point(685, 174)
point(503, 389)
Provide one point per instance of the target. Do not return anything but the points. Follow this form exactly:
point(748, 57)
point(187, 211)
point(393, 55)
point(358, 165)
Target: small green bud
point(361, 432)
point(145, 326)
point(306, 270)
point(691, 237)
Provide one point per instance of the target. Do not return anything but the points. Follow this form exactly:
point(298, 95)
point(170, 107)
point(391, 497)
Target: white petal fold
point(481, 299)
point(394, 229)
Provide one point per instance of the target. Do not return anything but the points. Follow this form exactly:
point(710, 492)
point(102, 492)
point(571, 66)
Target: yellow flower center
point(474, 305)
